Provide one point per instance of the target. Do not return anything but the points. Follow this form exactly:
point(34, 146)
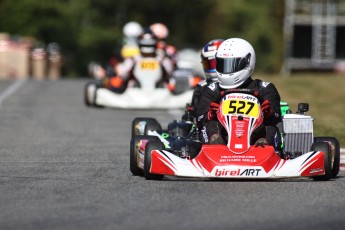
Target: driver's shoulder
point(262, 84)
point(213, 86)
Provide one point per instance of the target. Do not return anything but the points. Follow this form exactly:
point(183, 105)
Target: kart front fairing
point(217, 161)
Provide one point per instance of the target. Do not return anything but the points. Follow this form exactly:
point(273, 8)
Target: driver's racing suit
point(267, 93)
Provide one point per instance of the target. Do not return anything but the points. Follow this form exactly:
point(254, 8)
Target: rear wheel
point(325, 148)
point(152, 145)
point(136, 127)
point(134, 158)
point(335, 152)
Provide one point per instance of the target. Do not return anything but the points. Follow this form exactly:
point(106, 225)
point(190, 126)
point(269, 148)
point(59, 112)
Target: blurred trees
point(92, 29)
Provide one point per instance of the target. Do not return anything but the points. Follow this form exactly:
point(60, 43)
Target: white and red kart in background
point(143, 92)
point(152, 154)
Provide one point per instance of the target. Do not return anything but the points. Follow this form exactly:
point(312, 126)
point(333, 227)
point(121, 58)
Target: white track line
point(10, 90)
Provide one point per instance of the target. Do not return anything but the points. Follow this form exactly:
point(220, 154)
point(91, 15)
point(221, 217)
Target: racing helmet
point(147, 43)
point(160, 30)
point(132, 29)
point(208, 59)
point(235, 62)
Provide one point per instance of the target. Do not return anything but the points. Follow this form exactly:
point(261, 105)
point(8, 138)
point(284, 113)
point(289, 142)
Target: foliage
point(92, 29)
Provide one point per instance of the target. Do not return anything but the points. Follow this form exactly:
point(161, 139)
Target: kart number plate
point(149, 65)
point(240, 107)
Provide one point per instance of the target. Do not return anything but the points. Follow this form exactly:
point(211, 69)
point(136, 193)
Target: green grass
point(325, 94)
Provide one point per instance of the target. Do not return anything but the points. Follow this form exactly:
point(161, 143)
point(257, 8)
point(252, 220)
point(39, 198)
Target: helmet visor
point(208, 64)
point(232, 65)
point(148, 49)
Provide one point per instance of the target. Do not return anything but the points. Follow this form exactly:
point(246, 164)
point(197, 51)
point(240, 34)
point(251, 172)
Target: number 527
point(240, 107)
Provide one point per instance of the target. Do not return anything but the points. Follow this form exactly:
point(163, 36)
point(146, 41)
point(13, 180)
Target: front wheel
point(325, 148)
point(134, 153)
point(152, 145)
point(335, 150)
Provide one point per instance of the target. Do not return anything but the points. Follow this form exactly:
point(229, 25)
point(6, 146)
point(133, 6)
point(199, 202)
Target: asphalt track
point(66, 166)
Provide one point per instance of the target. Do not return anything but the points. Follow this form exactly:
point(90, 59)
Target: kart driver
point(148, 47)
point(208, 61)
point(131, 31)
point(163, 48)
point(235, 62)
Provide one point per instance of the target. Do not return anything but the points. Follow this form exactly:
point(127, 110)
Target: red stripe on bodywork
point(315, 164)
point(160, 165)
point(279, 165)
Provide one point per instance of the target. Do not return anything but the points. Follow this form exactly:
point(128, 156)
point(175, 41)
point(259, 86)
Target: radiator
point(298, 133)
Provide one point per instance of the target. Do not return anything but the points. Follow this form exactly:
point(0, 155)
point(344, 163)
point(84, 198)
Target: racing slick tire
point(152, 125)
point(88, 89)
point(324, 147)
point(335, 150)
point(133, 154)
point(151, 145)
point(135, 131)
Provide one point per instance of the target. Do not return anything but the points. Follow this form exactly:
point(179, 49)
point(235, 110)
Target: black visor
point(232, 65)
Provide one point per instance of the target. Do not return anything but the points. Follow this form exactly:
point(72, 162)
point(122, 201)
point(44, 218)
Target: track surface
point(66, 166)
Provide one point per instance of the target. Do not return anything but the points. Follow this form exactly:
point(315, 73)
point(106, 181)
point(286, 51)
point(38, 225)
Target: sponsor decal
point(237, 172)
point(204, 134)
point(237, 158)
point(315, 170)
point(238, 146)
point(241, 96)
point(265, 84)
point(212, 86)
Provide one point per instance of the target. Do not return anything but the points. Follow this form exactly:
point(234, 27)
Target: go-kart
point(153, 152)
point(145, 90)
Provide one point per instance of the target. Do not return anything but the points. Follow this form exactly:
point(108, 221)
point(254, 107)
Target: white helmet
point(160, 30)
point(235, 62)
point(208, 58)
point(132, 29)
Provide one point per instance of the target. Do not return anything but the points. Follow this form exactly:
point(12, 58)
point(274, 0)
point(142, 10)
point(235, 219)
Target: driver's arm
point(201, 109)
point(271, 94)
